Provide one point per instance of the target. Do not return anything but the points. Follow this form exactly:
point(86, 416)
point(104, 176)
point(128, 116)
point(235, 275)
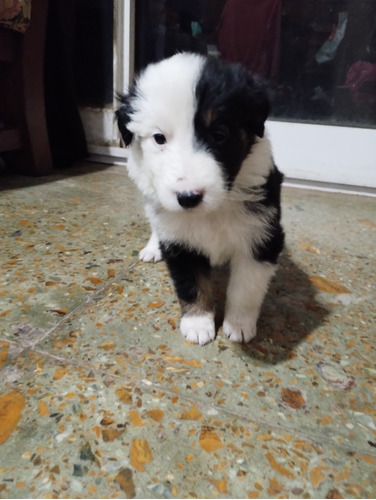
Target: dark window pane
point(318, 55)
point(93, 56)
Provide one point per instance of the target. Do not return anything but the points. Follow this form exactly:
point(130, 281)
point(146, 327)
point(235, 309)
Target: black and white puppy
point(198, 154)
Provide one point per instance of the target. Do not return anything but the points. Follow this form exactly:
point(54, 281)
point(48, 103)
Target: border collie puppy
point(198, 154)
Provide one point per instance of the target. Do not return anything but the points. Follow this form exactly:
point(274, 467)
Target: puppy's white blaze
point(198, 329)
point(172, 82)
point(166, 96)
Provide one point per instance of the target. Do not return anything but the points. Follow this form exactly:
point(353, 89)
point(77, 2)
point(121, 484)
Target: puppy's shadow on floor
point(290, 312)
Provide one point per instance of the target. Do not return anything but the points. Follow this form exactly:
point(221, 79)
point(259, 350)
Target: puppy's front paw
point(151, 253)
point(198, 329)
point(240, 329)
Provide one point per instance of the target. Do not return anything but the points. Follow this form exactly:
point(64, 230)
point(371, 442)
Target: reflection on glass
point(318, 55)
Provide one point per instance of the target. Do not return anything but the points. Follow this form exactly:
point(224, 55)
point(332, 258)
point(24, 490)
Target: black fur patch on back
point(272, 246)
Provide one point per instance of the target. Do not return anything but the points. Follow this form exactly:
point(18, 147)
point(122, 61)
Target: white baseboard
point(108, 155)
point(329, 187)
point(325, 154)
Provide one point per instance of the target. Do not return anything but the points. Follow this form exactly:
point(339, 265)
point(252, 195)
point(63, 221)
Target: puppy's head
point(190, 122)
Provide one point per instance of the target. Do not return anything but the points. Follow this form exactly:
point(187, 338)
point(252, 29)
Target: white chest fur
point(219, 235)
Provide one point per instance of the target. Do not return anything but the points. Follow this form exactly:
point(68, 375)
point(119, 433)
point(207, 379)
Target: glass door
point(319, 57)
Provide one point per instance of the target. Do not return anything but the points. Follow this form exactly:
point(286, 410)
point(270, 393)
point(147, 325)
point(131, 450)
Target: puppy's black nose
point(190, 199)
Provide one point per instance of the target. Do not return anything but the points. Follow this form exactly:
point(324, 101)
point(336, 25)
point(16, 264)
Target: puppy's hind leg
point(152, 252)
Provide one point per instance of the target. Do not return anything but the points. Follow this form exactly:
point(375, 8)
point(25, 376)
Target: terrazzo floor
point(100, 396)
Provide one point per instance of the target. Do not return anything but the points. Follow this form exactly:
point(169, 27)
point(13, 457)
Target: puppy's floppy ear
point(258, 105)
point(122, 116)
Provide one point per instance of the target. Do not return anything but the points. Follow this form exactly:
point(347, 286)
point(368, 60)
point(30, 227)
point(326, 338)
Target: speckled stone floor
point(101, 397)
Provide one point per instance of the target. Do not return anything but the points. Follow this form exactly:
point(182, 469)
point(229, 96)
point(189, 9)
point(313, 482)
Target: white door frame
point(316, 156)
point(101, 131)
point(124, 40)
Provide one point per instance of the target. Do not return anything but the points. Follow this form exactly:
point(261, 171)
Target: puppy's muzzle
point(190, 199)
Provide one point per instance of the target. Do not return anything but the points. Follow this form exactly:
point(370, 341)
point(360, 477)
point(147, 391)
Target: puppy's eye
point(220, 134)
point(160, 139)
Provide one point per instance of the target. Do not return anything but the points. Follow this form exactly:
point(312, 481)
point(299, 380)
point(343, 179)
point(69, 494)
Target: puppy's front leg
point(190, 272)
point(151, 252)
point(247, 287)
